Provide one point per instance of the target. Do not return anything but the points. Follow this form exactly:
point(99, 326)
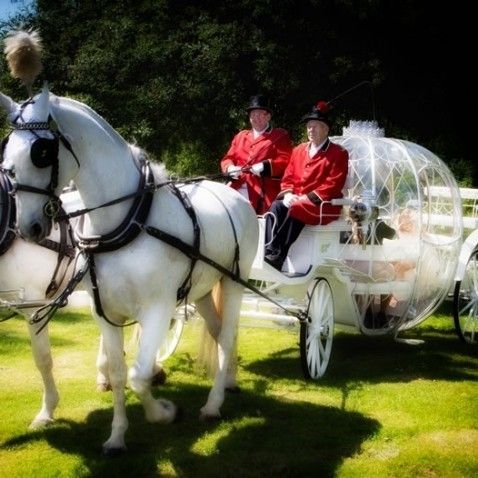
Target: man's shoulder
point(277, 132)
point(337, 148)
point(301, 146)
point(243, 135)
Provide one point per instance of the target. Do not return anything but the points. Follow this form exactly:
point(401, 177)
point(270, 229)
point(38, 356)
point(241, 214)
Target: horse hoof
point(207, 418)
point(41, 423)
point(159, 378)
point(233, 389)
point(113, 452)
point(103, 387)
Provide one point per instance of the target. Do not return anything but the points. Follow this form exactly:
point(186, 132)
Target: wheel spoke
point(317, 335)
point(469, 305)
point(466, 302)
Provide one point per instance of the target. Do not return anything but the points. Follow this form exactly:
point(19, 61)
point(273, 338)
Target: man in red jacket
point(316, 174)
point(257, 157)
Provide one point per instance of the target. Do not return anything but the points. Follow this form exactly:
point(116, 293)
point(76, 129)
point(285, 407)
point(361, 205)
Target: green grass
point(384, 409)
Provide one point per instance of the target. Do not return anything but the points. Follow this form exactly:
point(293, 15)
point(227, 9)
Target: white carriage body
point(415, 269)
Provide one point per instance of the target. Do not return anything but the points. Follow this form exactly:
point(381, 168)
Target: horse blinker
point(44, 152)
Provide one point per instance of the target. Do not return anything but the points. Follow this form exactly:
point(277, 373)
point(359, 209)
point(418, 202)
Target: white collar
point(313, 149)
point(256, 133)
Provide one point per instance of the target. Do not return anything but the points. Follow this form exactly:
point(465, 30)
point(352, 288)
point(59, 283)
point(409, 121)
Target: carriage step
point(293, 275)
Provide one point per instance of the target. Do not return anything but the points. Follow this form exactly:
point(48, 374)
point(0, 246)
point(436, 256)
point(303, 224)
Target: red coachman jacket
point(321, 178)
point(273, 148)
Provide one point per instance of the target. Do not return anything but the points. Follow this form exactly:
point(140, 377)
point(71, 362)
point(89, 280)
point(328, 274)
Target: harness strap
point(96, 292)
point(7, 217)
point(9, 316)
point(235, 264)
point(191, 252)
point(66, 254)
point(185, 287)
point(47, 312)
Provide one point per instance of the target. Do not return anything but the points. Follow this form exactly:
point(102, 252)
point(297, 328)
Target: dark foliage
point(174, 75)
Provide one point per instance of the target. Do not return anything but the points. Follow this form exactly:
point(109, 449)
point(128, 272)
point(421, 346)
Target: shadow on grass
point(360, 358)
point(15, 335)
point(260, 436)
point(67, 316)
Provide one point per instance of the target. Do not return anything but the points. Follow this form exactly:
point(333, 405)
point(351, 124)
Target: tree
point(175, 75)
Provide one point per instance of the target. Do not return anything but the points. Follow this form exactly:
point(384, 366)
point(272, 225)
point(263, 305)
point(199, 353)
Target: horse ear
point(8, 104)
point(43, 103)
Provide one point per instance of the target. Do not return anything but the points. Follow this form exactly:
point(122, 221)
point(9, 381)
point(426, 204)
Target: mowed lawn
point(384, 409)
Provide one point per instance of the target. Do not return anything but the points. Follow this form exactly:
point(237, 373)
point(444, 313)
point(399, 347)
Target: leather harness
point(129, 229)
point(64, 248)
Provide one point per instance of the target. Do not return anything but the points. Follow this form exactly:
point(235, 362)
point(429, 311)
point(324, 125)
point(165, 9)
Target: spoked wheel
point(316, 334)
point(465, 302)
point(174, 333)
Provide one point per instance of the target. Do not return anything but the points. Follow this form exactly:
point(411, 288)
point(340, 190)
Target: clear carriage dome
point(405, 212)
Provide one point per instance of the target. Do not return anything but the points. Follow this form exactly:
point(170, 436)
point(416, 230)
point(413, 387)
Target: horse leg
point(154, 325)
point(113, 343)
point(159, 374)
point(44, 362)
point(102, 380)
point(231, 305)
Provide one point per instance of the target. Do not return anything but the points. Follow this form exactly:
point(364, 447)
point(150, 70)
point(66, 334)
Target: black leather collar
point(132, 224)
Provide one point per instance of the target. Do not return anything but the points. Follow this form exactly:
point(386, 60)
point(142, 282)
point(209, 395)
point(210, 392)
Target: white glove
point(288, 197)
point(257, 168)
point(234, 171)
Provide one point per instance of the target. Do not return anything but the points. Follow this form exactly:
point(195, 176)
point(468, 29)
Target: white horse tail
point(208, 355)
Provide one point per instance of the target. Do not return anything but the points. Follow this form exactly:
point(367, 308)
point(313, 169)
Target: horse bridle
point(43, 154)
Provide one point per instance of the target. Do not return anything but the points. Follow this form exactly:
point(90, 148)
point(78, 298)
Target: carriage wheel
point(174, 333)
point(465, 302)
point(316, 334)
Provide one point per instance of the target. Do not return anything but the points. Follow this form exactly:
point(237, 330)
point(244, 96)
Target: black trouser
point(278, 239)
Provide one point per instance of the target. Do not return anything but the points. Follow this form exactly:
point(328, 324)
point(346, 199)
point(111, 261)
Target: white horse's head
point(30, 156)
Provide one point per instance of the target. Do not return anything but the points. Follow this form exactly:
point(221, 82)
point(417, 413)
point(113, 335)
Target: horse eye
point(10, 173)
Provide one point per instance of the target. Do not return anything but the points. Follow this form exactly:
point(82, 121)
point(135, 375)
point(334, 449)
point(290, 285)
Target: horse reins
point(52, 210)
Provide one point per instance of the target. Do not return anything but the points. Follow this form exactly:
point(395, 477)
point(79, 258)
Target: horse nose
point(38, 231)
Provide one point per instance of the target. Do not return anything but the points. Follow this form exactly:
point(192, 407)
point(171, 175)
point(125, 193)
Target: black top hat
point(259, 102)
point(320, 112)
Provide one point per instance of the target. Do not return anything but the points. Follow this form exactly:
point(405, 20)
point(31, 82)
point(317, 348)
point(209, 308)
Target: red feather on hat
point(322, 106)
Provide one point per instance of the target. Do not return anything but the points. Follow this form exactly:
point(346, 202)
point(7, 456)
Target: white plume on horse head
point(23, 51)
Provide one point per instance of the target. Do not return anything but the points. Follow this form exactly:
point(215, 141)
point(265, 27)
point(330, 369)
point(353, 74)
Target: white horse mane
point(70, 103)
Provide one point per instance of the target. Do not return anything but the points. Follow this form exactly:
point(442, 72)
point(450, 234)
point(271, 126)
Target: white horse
point(29, 268)
point(141, 279)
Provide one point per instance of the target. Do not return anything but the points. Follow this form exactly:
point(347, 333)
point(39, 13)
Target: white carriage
point(352, 274)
